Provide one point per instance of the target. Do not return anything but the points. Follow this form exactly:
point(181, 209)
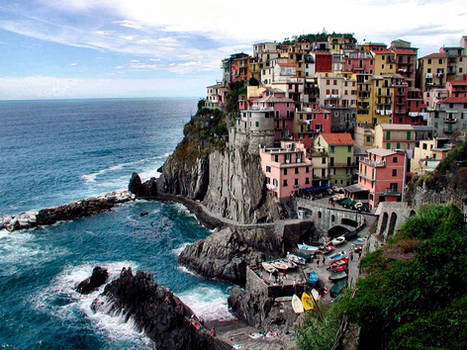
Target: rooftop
point(397, 126)
point(272, 98)
point(343, 138)
point(454, 99)
point(435, 55)
point(458, 82)
point(381, 151)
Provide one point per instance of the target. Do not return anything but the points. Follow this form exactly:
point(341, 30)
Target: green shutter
point(388, 135)
point(388, 145)
point(257, 124)
point(409, 135)
point(368, 139)
point(398, 145)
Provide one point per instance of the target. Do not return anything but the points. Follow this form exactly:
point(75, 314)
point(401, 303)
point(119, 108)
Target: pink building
point(359, 62)
point(310, 122)
point(457, 88)
point(382, 172)
point(287, 168)
point(215, 97)
point(283, 108)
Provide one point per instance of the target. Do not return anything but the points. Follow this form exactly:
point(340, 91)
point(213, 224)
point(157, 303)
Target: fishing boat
point(338, 276)
point(315, 294)
point(290, 264)
point(338, 268)
point(279, 265)
point(338, 241)
point(297, 305)
point(329, 248)
point(338, 287)
point(296, 259)
point(339, 262)
point(308, 248)
point(337, 256)
point(307, 302)
point(268, 267)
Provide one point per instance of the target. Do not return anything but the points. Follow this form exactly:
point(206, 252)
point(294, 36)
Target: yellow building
point(255, 70)
point(395, 136)
point(432, 71)
point(336, 151)
point(381, 99)
point(385, 62)
point(428, 154)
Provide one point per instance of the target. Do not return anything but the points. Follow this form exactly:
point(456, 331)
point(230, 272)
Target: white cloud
point(74, 64)
point(37, 87)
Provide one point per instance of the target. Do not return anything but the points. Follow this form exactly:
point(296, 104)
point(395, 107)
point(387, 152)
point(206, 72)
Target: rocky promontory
point(158, 312)
point(98, 278)
point(70, 211)
point(226, 253)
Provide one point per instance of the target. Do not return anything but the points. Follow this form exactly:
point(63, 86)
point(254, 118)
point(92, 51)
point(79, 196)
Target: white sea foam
point(61, 300)
point(187, 271)
point(177, 251)
point(207, 302)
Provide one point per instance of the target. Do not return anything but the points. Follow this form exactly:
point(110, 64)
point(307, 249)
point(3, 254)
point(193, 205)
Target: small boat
point(338, 287)
point(268, 267)
point(297, 305)
point(338, 241)
point(313, 277)
point(280, 265)
point(307, 302)
point(290, 264)
point(296, 259)
point(339, 262)
point(315, 294)
point(338, 276)
point(308, 248)
point(338, 268)
point(337, 256)
point(256, 335)
point(329, 248)
point(359, 241)
point(195, 324)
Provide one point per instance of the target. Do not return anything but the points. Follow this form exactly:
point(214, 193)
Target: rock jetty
point(98, 278)
point(70, 211)
point(158, 312)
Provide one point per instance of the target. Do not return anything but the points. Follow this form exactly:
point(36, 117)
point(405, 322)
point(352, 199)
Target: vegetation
point(235, 90)
point(319, 332)
point(416, 303)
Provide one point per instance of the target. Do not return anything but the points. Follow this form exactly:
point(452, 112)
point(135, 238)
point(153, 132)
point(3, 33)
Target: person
point(324, 259)
point(359, 254)
point(275, 276)
point(284, 274)
point(351, 256)
point(317, 262)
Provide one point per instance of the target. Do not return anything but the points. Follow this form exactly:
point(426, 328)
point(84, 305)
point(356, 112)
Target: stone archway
point(412, 213)
point(350, 222)
point(337, 230)
point(384, 223)
point(392, 224)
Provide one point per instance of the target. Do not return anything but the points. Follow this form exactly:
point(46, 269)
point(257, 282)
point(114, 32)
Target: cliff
point(225, 177)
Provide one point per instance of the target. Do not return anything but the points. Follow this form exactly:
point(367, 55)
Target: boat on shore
point(297, 305)
point(268, 267)
point(296, 259)
point(338, 287)
point(280, 265)
point(307, 248)
point(338, 276)
point(339, 262)
point(337, 256)
point(338, 241)
point(307, 302)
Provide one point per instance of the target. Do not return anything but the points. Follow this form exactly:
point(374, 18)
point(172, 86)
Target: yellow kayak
point(307, 302)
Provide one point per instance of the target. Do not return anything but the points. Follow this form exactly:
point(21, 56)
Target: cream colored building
point(428, 154)
point(395, 136)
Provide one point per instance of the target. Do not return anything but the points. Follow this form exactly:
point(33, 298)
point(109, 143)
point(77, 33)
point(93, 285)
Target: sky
point(146, 48)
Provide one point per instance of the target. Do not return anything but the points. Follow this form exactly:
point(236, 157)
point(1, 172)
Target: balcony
point(392, 192)
point(365, 177)
point(450, 120)
point(374, 164)
point(400, 111)
point(429, 76)
point(332, 97)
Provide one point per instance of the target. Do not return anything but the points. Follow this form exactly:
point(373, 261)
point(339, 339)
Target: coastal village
point(327, 112)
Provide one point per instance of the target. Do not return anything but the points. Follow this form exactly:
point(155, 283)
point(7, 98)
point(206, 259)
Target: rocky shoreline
point(162, 316)
point(70, 211)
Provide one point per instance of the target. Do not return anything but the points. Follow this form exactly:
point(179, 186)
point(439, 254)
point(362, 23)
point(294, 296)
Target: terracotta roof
point(343, 138)
point(286, 64)
point(458, 82)
point(405, 51)
point(381, 151)
point(435, 55)
point(215, 86)
point(397, 126)
point(454, 99)
point(382, 51)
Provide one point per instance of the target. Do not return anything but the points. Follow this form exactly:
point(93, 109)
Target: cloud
point(73, 64)
point(38, 87)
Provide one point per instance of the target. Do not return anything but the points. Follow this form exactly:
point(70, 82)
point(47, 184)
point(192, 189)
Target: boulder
point(98, 278)
point(147, 190)
point(158, 312)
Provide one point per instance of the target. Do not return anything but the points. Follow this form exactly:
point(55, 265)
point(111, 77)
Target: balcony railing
point(373, 163)
point(392, 192)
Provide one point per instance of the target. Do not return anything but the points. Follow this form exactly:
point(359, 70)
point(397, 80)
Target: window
point(398, 145)
point(323, 160)
point(429, 61)
point(394, 160)
point(394, 172)
point(285, 171)
point(268, 169)
point(257, 124)
point(307, 180)
point(268, 180)
point(332, 149)
point(276, 157)
point(440, 61)
point(296, 170)
point(331, 161)
point(284, 183)
point(319, 215)
point(349, 148)
point(388, 145)
point(296, 182)
point(274, 182)
point(307, 169)
point(409, 135)
point(388, 135)
point(368, 138)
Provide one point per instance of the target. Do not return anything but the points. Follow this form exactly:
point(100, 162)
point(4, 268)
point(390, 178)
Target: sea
point(56, 151)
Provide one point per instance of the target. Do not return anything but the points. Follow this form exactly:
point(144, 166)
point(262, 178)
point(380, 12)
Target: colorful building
point(431, 72)
point(381, 99)
point(428, 154)
point(336, 152)
point(287, 169)
point(449, 115)
point(215, 97)
point(360, 62)
point(308, 123)
point(382, 173)
point(406, 60)
point(395, 136)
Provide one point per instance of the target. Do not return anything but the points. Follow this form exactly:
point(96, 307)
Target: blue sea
point(54, 152)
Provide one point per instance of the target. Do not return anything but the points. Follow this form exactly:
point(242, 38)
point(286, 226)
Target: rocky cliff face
point(228, 181)
point(163, 316)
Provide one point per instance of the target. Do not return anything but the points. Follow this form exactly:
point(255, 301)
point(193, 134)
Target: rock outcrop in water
point(163, 316)
point(70, 211)
point(98, 278)
point(225, 254)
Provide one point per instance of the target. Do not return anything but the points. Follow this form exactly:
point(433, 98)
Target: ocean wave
point(61, 300)
point(209, 303)
point(177, 251)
